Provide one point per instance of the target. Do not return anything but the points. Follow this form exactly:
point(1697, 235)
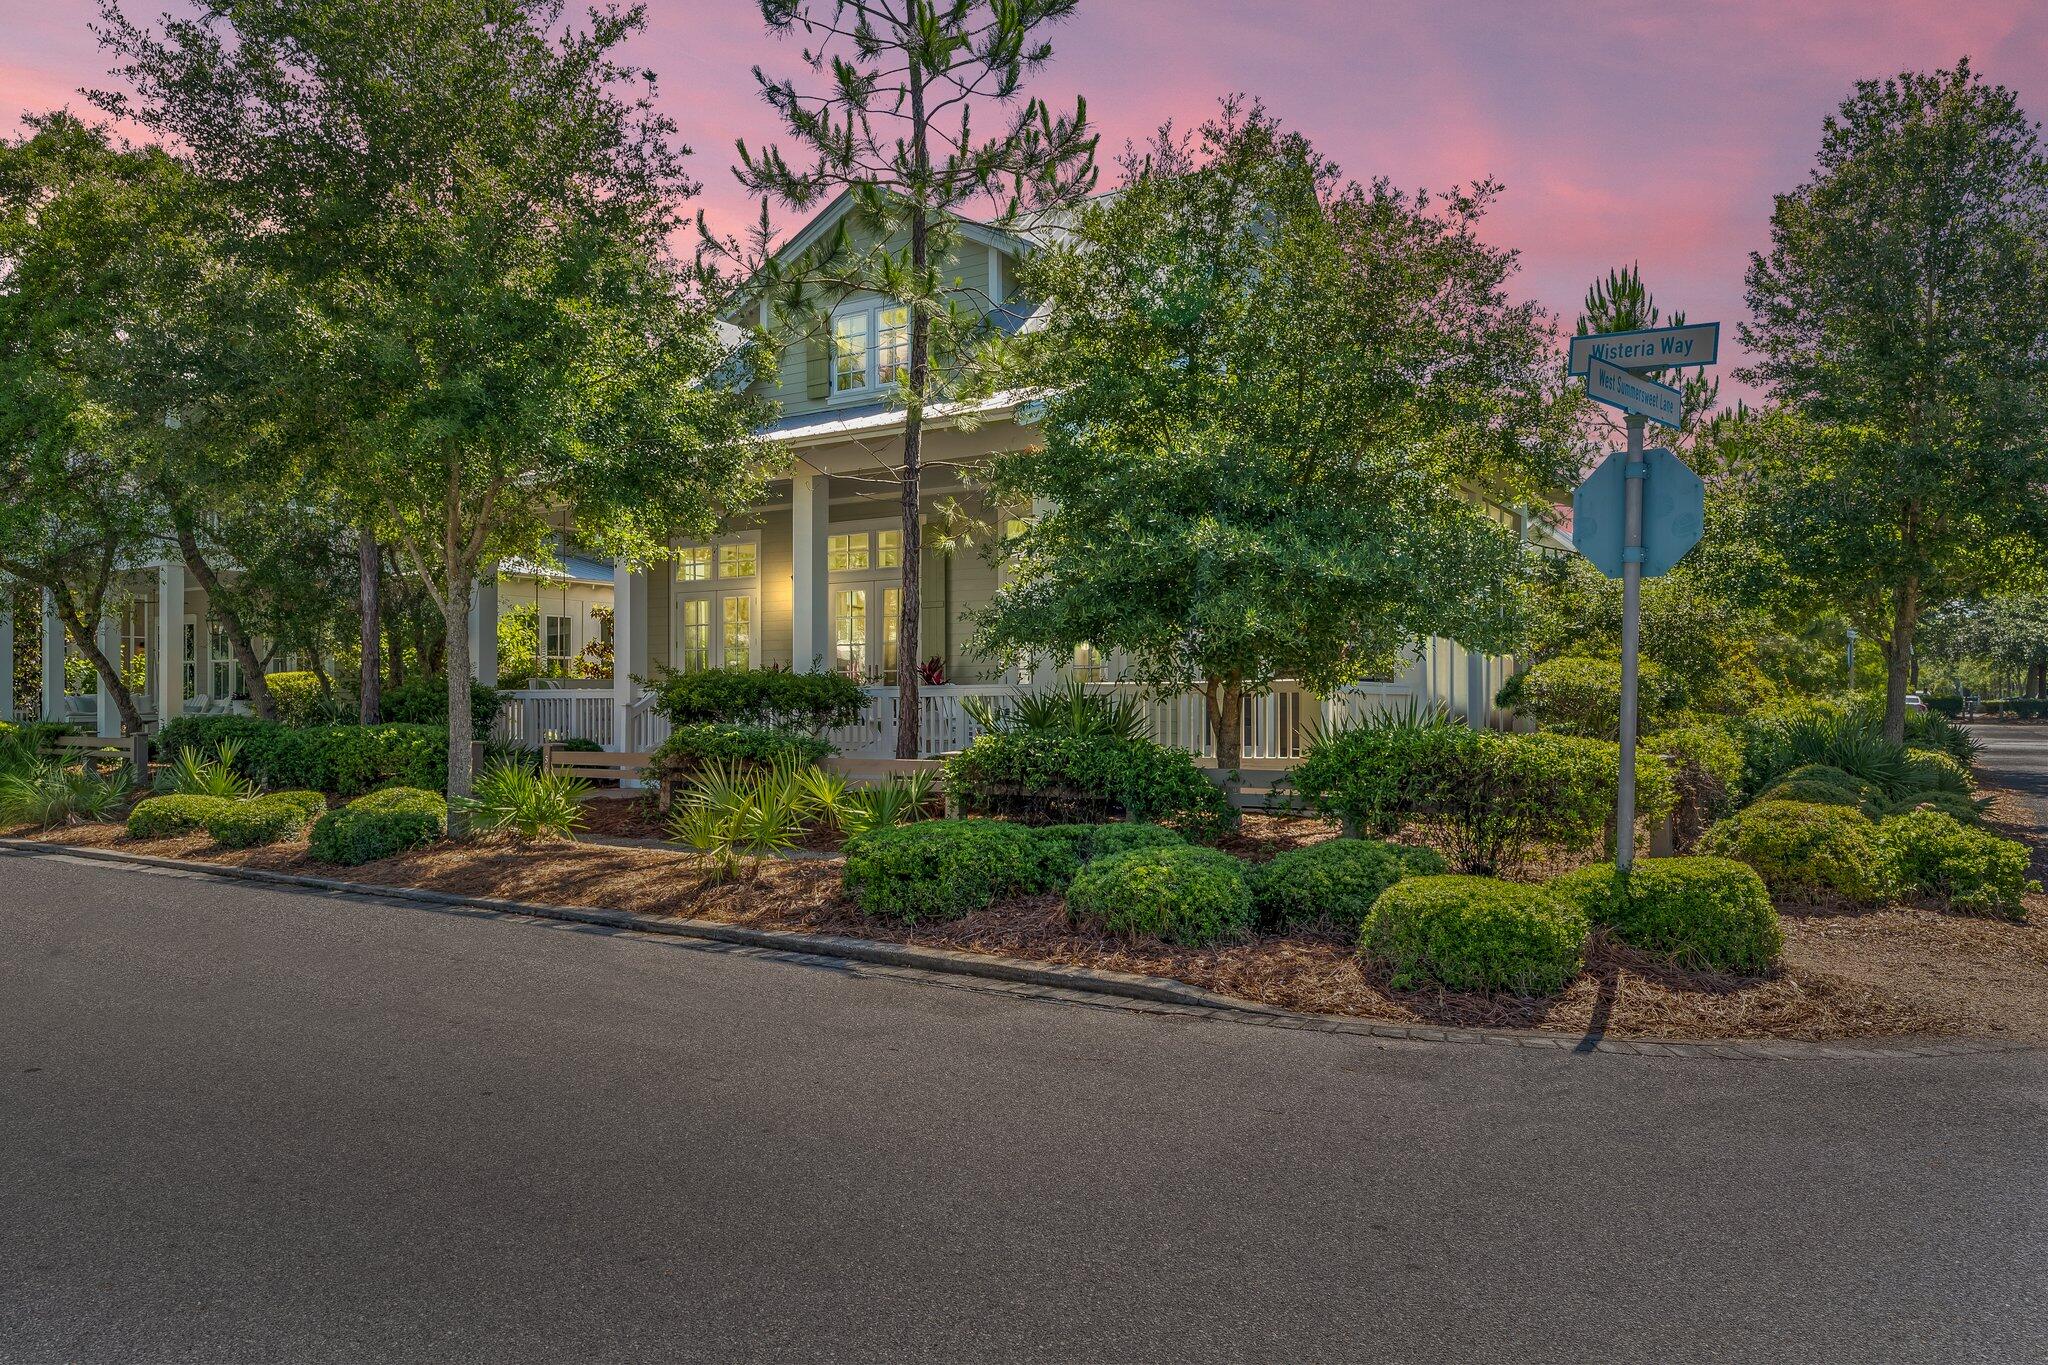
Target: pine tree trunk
point(222, 609)
point(1898, 658)
point(455, 620)
point(909, 648)
point(369, 681)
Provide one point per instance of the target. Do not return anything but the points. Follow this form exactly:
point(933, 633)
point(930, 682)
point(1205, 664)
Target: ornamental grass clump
point(1181, 894)
point(1935, 856)
point(173, 817)
point(267, 819)
point(938, 869)
point(49, 793)
point(380, 825)
point(1703, 912)
point(1463, 933)
point(1804, 850)
point(1333, 885)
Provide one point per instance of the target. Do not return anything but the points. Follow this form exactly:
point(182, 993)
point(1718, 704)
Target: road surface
point(247, 1124)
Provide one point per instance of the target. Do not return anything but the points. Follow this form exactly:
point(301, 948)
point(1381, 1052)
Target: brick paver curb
point(1055, 981)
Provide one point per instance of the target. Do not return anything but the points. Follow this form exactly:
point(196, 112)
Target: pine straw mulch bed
point(1894, 972)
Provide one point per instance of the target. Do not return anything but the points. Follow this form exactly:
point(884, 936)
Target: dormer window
point(870, 346)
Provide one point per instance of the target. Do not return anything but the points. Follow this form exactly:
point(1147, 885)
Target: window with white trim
point(717, 605)
point(557, 644)
point(866, 569)
point(870, 346)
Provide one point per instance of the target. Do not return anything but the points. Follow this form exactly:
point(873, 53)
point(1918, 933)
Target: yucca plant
point(824, 793)
point(512, 798)
point(51, 794)
point(190, 774)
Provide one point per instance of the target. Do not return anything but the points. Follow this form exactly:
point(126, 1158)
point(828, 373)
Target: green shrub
point(1938, 770)
point(697, 744)
point(47, 793)
point(265, 819)
point(1969, 810)
point(1124, 836)
point(774, 698)
point(733, 812)
point(1803, 849)
point(299, 700)
point(1070, 707)
point(424, 701)
point(1948, 707)
point(1332, 885)
point(345, 759)
point(1706, 768)
point(379, 825)
point(1036, 774)
point(1933, 729)
point(1475, 934)
point(938, 869)
point(1576, 695)
point(1698, 912)
point(1489, 797)
point(1179, 893)
point(171, 817)
point(1934, 855)
point(1064, 849)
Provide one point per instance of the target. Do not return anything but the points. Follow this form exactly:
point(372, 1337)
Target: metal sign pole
point(1634, 475)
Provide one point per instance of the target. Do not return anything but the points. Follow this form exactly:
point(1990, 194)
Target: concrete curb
point(1047, 978)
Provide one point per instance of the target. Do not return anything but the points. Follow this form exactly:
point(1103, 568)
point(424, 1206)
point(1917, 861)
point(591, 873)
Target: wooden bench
point(130, 749)
point(598, 767)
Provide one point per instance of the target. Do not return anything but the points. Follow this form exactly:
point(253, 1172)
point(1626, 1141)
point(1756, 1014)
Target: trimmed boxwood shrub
point(1933, 855)
point(1706, 768)
point(1489, 797)
point(1333, 885)
point(1804, 849)
point(1937, 770)
point(1698, 912)
point(1475, 934)
point(938, 869)
point(344, 759)
point(693, 745)
point(774, 698)
point(1063, 850)
point(1179, 893)
point(379, 825)
point(168, 817)
point(1576, 695)
point(1035, 773)
point(265, 819)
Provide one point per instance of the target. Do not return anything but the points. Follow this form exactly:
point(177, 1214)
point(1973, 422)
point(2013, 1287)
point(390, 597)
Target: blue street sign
point(1652, 348)
point(1674, 512)
point(1617, 388)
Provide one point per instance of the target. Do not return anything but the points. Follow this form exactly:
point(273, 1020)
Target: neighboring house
point(571, 604)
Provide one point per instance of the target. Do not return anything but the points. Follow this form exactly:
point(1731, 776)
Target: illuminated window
point(1088, 665)
point(892, 344)
point(850, 351)
point(892, 622)
point(693, 563)
point(694, 645)
point(736, 561)
point(846, 552)
point(870, 347)
point(888, 549)
point(557, 644)
point(738, 613)
point(850, 631)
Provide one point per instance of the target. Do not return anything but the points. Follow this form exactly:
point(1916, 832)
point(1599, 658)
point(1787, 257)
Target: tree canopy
point(1284, 415)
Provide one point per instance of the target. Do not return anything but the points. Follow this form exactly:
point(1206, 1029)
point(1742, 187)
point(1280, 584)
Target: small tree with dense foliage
point(1271, 396)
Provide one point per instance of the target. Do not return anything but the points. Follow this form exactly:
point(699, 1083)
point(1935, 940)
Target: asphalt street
point(247, 1124)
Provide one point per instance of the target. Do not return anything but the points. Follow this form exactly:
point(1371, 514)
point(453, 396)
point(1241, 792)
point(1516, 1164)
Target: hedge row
point(345, 759)
point(1039, 773)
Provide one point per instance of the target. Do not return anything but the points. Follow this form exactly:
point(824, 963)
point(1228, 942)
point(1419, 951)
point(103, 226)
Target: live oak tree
point(475, 201)
point(909, 86)
point(1276, 404)
point(1900, 325)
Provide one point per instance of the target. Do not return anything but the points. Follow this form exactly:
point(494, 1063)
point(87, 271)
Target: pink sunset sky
point(1645, 130)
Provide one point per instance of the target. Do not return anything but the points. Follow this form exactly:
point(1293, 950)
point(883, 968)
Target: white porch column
point(53, 659)
point(810, 606)
point(6, 649)
point(483, 630)
point(167, 669)
point(629, 647)
point(109, 639)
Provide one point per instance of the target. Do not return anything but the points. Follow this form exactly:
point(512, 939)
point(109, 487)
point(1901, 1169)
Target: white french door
point(715, 628)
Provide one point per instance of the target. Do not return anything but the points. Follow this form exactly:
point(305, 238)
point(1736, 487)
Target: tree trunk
point(222, 609)
point(1224, 699)
point(1898, 658)
point(455, 620)
point(909, 647)
point(86, 637)
point(2037, 680)
point(369, 564)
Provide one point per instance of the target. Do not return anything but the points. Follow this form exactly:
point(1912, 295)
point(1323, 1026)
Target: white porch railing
point(1277, 724)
